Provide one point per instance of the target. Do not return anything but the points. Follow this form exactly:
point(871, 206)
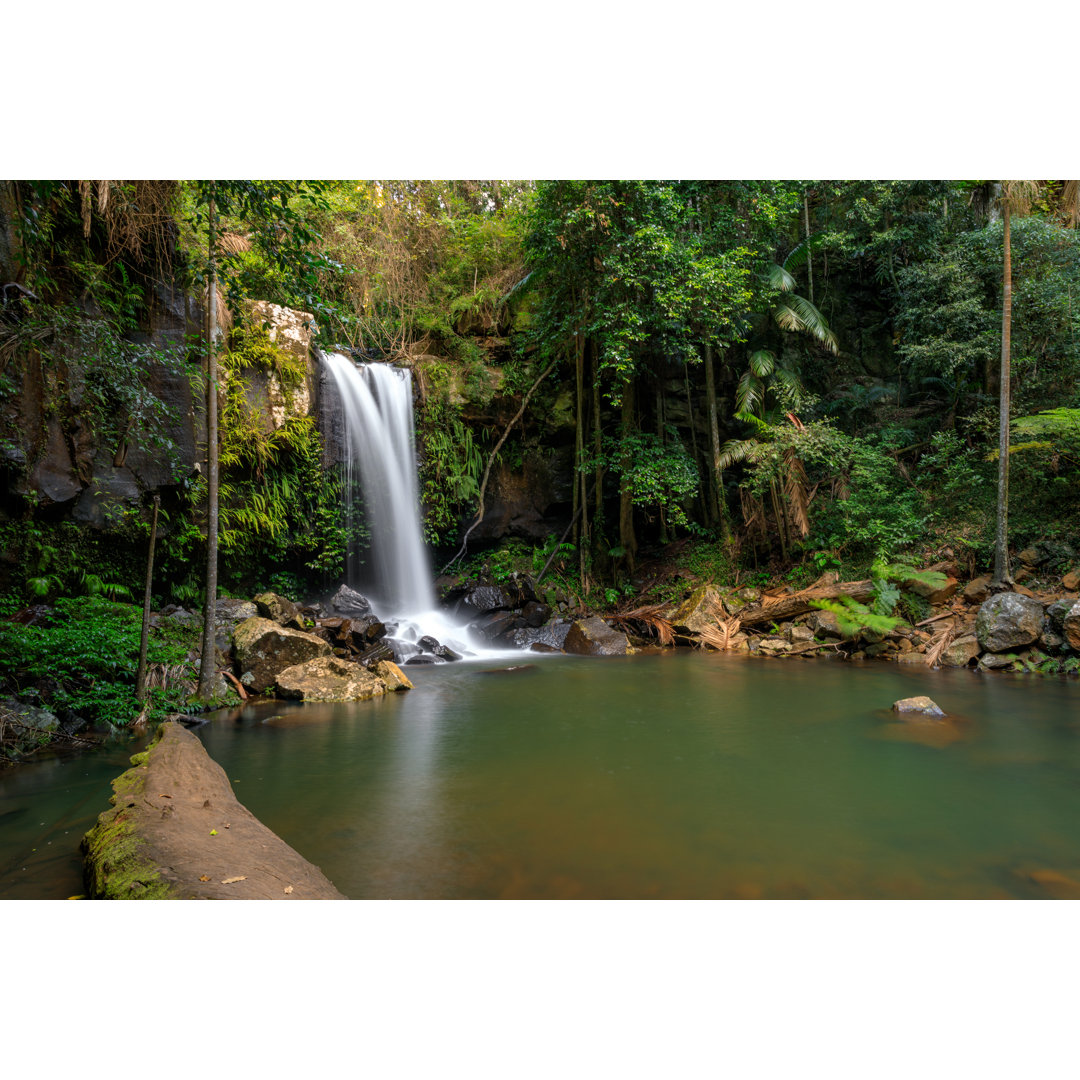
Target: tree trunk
point(581, 532)
point(789, 607)
point(660, 435)
point(809, 256)
point(144, 640)
point(627, 538)
point(1002, 576)
point(207, 662)
point(716, 483)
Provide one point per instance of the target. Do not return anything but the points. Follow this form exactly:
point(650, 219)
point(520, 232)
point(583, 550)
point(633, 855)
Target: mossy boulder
point(276, 608)
point(1008, 621)
point(702, 610)
point(264, 650)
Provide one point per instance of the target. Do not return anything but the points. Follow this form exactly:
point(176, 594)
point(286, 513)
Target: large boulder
point(177, 832)
point(593, 637)
point(392, 675)
point(264, 650)
point(552, 636)
point(700, 611)
point(276, 608)
point(327, 678)
point(349, 603)
point(1009, 621)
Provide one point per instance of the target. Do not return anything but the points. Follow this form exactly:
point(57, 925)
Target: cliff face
point(52, 456)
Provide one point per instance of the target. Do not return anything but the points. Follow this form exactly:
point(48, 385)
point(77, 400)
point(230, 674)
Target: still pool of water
point(678, 775)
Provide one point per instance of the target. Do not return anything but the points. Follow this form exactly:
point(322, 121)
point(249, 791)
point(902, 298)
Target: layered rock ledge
point(176, 831)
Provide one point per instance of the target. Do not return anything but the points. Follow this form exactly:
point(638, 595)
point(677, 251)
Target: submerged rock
point(329, 678)
point(1008, 621)
point(264, 649)
point(916, 707)
point(593, 637)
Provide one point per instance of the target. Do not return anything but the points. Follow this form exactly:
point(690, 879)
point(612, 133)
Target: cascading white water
point(380, 449)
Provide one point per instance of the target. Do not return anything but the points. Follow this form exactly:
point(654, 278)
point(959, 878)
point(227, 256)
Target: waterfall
point(380, 451)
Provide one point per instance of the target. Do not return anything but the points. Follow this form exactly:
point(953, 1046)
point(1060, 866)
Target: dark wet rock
point(264, 649)
point(328, 678)
point(421, 658)
point(494, 624)
point(593, 637)
point(1051, 640)
point(349, 602)
point(522, 589)
point(535, 614)
point(366, 630)
point(917, 708)
point(1070, 626)
point(278, 608)
point(387, 649)
point(428, 643)
point(512, 670)
point(23, 727)
point(444, 652)
point(479, 599)
point(1008, 621)
point(540, 647)
point(552, 636)
point(1056, 612)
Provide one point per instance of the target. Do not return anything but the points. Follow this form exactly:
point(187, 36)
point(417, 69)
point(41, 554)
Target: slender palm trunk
point(207, 664)
point(627, 537)
point(1002, 576)
point(716, 483)
point(809, 256)
point(144, 640)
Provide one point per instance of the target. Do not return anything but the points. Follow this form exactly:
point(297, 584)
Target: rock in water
point(1009, 621)
point(392, 675)
point(329, 679)
point(349, 603)
point(593, 637)
point(1071, 625)
point(263, 649)
point(918, 707)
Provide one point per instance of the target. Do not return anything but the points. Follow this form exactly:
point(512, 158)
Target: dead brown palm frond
point(795, 491)
point(721, 635)
point(234, 243)
point(1020, 195)
point(647, 619)
point(166, 676)
point(939, 644)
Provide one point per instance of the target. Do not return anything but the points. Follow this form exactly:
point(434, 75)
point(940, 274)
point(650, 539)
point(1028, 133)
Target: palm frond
point(779, 278)
point(940, 644)
point(749, 393)
point(647, 619)
point(762, 363)
point(796, 313)
point(801, 252)
point(735, 450)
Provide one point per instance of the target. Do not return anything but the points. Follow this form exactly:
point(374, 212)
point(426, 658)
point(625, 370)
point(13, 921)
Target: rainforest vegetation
point(740, 381)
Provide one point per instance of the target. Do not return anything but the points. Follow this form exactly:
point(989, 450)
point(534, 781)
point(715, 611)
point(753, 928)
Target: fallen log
point(789, 607)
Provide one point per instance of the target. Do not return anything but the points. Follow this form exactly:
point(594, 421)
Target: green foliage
point(85, 663)
point(451, 468)
point(854, 618)
point(660, 472)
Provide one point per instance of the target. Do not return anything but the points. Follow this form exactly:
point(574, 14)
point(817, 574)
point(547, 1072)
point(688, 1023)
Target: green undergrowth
point(84, 663)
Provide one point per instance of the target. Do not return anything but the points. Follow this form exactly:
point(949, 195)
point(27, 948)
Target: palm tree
point(765, 375)
point(1016, 198)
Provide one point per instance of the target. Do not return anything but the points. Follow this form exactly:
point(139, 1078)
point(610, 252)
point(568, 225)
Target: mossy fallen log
point(176, 831)
point(789, 607)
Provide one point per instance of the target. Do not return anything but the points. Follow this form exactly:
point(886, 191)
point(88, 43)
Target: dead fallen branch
point(939, 645)
point(647, 617)
point(788, 607)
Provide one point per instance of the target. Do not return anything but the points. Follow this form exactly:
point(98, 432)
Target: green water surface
point(678, 775)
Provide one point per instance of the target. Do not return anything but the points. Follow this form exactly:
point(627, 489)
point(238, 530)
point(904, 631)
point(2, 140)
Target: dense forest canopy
point(778, 377)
